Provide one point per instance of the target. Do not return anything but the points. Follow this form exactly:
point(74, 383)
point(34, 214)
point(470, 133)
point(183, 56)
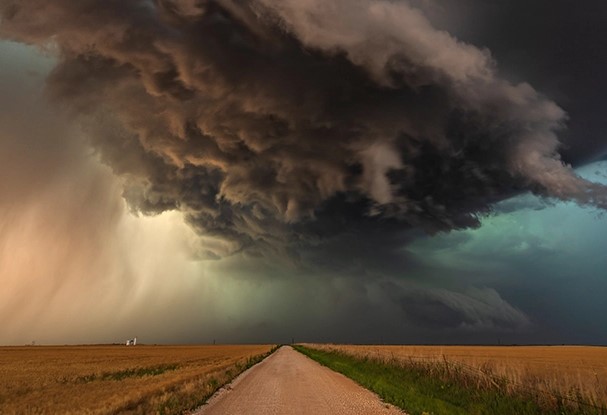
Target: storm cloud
point(357, 170)
point(257, 119)
point(477, 309)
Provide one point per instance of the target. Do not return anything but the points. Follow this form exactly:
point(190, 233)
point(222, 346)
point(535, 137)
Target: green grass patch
point(437, 389)
point(128, 373)
point(138, 372)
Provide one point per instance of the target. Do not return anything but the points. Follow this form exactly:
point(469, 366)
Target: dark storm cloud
point(476, 309)
point(556, 45)
point(282, 126)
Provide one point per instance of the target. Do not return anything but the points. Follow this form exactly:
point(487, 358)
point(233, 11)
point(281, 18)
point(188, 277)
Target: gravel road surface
point(288, 383)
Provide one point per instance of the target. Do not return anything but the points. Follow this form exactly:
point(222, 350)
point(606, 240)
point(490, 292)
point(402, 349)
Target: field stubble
point(569, 376)
point(117, 379)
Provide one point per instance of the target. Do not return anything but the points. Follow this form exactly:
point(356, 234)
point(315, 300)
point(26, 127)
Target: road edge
point(228, 386)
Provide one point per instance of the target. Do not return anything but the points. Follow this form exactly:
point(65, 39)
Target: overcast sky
point(366, 171)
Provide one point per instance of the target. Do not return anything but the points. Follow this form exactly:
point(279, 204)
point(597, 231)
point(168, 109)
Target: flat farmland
point(572, 373)
point(117, 379)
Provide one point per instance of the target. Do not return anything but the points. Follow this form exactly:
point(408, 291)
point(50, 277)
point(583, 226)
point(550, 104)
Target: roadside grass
point(190, 396)
point(436, 389)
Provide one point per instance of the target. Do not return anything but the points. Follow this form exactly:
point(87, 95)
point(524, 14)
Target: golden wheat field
point(579, 371)
point(116, 379)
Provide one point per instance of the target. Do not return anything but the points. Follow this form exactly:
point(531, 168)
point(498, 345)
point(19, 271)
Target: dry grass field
point(572, 372)
point(116, 379)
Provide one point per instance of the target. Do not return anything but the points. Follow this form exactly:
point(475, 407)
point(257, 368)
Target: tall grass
point(446, 387)
point(576, 375)
point(118, 379)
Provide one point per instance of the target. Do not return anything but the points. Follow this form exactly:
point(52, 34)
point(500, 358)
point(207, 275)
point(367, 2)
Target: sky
point(361, 171)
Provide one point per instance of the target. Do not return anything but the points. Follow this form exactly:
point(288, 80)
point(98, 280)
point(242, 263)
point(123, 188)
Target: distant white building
point(131, 342)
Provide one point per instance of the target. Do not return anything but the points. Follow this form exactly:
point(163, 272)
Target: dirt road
point(289, 383)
